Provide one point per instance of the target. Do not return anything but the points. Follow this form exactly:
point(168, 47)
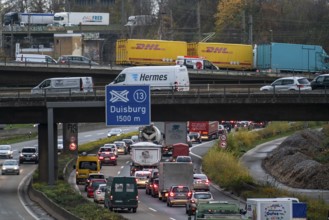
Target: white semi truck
point(83, 18)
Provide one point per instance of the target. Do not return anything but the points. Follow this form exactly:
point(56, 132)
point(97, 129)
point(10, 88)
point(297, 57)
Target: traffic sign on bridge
point(128, 105)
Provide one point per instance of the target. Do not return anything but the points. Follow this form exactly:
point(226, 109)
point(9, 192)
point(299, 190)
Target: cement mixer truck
point(150, 133)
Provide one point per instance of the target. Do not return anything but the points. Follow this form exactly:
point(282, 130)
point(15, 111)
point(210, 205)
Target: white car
point(292, 83)
point(115, 132)
point(6, 151)
point(99, 193)
point(10, 167)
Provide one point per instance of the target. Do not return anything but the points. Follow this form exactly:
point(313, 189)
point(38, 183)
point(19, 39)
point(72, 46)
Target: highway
point(14, 205)
point(151, 208)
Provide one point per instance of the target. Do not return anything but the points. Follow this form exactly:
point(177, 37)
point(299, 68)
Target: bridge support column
point(44, 156)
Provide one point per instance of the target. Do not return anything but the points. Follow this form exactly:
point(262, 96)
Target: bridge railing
point(196, 90)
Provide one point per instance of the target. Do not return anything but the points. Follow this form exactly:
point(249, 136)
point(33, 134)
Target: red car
point(107, 158)
point(93, 184)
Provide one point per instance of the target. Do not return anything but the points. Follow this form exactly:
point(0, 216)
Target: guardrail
point(196, 90)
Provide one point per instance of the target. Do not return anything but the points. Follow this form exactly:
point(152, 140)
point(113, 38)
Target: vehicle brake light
point(155, 186)
point(111, 197)
point(112, 158)
point(300, 86)
point(101, 158)
point(207, 182)
point(171, 194)
point(189, 194)
point(180, 187)
point(136, 197)
point(193, 201)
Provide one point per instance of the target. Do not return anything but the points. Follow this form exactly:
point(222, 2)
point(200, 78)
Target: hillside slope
point(301, 161)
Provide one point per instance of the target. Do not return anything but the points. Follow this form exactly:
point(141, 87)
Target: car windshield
point(98, 176)
point(120, 144)
point(183, 159)
point(28, 150)
point(4, 148)
point(115, 131)
point(142, 175)
point(202, 177)
point(10, 162)
point(202, 196)
point(106, 149)
point(180, 189)
point(303, 81)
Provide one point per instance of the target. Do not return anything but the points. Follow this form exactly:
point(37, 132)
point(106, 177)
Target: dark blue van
point(121, 193)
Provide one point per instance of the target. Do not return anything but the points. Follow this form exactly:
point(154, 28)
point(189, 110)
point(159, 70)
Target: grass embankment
point(223, 167)
point(66, 197)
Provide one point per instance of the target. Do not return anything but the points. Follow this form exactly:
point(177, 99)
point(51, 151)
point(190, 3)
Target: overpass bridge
point(202, 103)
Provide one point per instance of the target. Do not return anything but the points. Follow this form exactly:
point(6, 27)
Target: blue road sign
point(128, 105)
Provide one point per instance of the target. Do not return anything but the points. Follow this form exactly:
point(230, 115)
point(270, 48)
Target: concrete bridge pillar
point(48, 166)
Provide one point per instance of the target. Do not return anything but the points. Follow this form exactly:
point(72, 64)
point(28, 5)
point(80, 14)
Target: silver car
point(293, 83)
point(6, 151)
point(196, 197)
point(115, 132)
point(10, 167)
point(99, 193)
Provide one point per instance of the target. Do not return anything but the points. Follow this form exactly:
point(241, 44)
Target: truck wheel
point(134, 210)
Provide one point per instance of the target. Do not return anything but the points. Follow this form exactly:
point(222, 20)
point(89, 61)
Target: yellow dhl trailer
point(149, 52)
point(225, 56)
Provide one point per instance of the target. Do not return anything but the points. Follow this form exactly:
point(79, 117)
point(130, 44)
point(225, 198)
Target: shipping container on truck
point(208, 129)
point(284, 57)
point(223, 55)
point(149, 52)
point(174, 174)
point(83, 18)
point(180, 149)
point(286, 208)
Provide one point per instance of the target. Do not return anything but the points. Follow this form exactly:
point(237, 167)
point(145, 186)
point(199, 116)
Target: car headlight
point(3, 168)
point(16, 168)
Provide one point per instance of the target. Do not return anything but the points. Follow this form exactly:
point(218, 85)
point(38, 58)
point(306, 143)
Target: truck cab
point(195, 62)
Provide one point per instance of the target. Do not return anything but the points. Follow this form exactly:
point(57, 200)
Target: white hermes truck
point(275, 208)
point(173, 78)
point(83, 18)
point(171, 174)
point(144, 155)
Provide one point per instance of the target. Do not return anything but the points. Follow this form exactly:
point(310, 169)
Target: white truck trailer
point(174, 174)
point(83, 18)
point(275, 208)
point(144, 155)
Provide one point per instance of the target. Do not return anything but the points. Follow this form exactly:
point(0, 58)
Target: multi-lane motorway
point(13, 205)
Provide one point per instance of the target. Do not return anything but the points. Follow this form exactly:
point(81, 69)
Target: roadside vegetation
point(65, 196)
point(235, 178)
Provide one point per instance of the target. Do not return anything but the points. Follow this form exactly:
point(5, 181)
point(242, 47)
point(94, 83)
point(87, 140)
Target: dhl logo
point(148, 47)
point(216, 50)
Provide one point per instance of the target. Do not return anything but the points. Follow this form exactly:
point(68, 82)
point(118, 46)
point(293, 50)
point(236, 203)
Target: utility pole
point(198, 21)
point(122, 16)
point(1, 26)
point(250, 29)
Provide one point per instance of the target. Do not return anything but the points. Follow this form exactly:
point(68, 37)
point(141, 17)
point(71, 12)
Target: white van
point(34, 58)
point(158, 77)
point(64, 85)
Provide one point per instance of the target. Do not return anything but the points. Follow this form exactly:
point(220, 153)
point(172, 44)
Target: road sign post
point(128, 105)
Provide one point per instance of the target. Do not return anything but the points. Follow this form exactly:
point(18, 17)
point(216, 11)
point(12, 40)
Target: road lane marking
point(20, 198)
point(153, 210)
point(88, 135)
